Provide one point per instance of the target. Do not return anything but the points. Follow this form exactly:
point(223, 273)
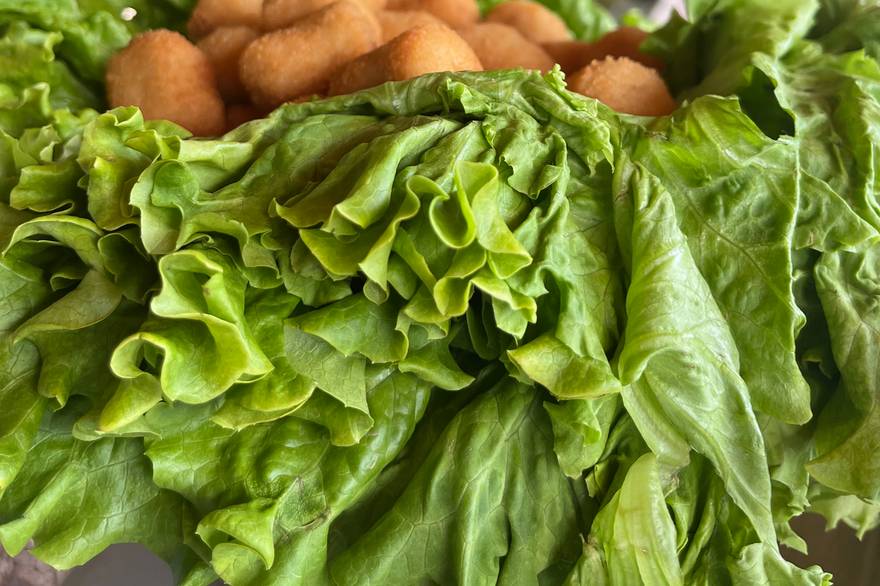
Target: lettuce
point(469, 328)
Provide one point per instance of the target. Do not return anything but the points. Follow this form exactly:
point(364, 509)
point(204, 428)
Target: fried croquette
point(570, 55)
point(534, 21)
point(278, 14)
point(625, 86)
point(211, 14)
point(394, 22)
point(426, 49)
point(499, 46)
point(455, 13)
point(626, 42)
point(167, 77)
point(238, 114)
point(623, 42)
point(300, 60)
point(224, 47)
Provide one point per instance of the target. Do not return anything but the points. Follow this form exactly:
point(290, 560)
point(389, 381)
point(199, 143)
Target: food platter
point(440, 292)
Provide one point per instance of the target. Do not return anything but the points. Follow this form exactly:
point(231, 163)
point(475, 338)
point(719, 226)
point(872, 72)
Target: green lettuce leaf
point(713, 52)
point(862, 516)
point(498, 494)
point(28, 58)
point(23, 406)
point(847, 285)
point(687, 394)
point(737, 205)
point(76, 498)
point(636, 530)
point(848, 25)
point(260, 528)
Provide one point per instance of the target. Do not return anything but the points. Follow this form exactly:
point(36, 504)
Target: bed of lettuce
point(469, 329)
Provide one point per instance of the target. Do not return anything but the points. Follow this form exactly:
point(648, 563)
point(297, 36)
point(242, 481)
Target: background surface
point(852, 562)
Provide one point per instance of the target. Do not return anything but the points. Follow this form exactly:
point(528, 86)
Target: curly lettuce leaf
point(28, 57)
point(860, 515)
point(260, 528)
point(833, 100)
point(713, 52)
point(636, 530)
point(847, 285)
point(23, 407)
point(497, 494)
point(693, 379)
point(737, 205)
point(76, 498)
point(836, 96)
point(848, 25)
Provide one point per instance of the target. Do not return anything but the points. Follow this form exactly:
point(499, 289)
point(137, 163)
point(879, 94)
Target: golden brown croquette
point(300, 60)
point(455, 13)
point(425, 49)
point(278, 14)
point(396, 22)
point(534, 21)
point(625, 86)
point(210, 14)
point(623, 42)
point(499, 46)
point(169, 78)
point(224, 47)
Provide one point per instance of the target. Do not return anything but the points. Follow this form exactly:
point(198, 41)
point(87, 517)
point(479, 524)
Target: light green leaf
point(75, 498)
point(679, 362)
point(636, 531)
point(494, 490)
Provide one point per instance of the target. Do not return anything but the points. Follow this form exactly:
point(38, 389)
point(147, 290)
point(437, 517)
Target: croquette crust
point(623, 42)
point(534, 21)
point(455, 13)
point(279, 14)
point(301, 60)
point(211, 14)
point(418, 51)
point(625, 86)
point(499, 46)
point(224, 47)
point(397, 22)
point(167, 77)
